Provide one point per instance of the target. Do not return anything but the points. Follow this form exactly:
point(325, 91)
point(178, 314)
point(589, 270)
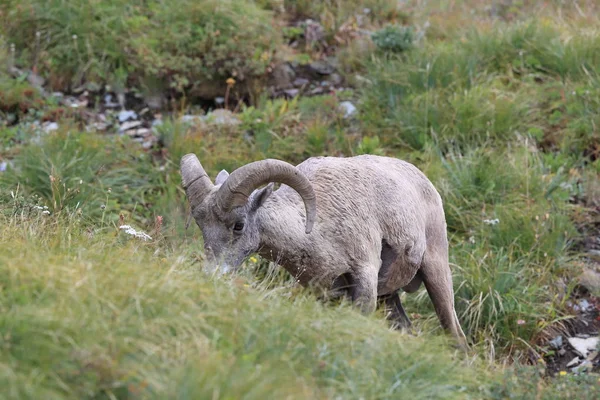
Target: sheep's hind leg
point(395, 312)
point(438, 282)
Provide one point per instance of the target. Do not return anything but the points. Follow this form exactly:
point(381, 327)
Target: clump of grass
point(95, 175)
point(483, 87)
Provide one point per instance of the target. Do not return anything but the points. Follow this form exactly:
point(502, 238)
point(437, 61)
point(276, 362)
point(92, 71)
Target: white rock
point(127, 115)
point(50, 126)
point(584, 366)
point(129, 125)
point(191, 118)
point(583, 346)
point(222, 117)
point(349, 108)
point(573, 362)
point(109, 103)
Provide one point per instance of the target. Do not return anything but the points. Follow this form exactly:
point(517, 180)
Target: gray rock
point(283, 76)
point(291, 92)
point(35, 80)
point(99, 126)
point(313, 32)
point(223, 117)
point(556, 343)
point(220, 116)
point(590, 279)
point(190, 118)
point(316, 91)
point(322, 67)
point(335, 79)
point(299, 82)
point(154, 101)
point(562, 352)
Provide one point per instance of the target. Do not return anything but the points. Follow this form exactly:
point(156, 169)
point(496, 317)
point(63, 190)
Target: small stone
point(348, 108)
point(99, 126)
point(556, 343)
point(222, 117)
point(93, 87)
point(129, 125)
point(190, 118)
point(154, 101)
point(573, 362)
point(335, 79)
point(585, 305)
point(298, 82)
point(291, 92)
point(127, 115)
point(316, 91)
point(590, 279)
point(283, 76)
point(50, 127)
point(586, 365)
point(141, 132)
point(35, 80)
point(322, 67)
point(562, 352)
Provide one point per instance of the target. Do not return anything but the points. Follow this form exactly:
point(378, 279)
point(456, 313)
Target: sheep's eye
point(238, 227)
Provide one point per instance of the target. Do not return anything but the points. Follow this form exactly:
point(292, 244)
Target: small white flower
point(46, 212)
point(491, 221)
point(130, 231)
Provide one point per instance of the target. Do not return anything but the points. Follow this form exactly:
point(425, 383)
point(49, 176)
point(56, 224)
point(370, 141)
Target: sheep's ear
point(258, 197)
point(221, 177)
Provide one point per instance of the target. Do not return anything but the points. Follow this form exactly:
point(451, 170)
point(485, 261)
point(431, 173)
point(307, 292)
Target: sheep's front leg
point(364, 290)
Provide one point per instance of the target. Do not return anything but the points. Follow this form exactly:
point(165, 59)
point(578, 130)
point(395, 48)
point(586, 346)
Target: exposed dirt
point(585, 324)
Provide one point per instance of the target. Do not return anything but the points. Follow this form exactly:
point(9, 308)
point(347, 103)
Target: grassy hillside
point(497, 102)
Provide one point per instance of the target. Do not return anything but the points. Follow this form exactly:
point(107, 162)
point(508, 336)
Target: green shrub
point(120, 43)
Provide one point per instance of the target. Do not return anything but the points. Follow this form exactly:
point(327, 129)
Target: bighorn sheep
point(370, 224)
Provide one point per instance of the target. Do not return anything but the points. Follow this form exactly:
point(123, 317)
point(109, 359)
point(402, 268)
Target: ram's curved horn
point(241, 182)
point(195, 181)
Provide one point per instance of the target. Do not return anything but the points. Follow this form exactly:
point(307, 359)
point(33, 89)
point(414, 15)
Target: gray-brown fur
point(379, 227)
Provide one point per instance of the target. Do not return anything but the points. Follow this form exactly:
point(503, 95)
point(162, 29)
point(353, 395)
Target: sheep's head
point(226, 212)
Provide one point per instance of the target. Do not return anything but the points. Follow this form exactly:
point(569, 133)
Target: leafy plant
point(394, 38)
